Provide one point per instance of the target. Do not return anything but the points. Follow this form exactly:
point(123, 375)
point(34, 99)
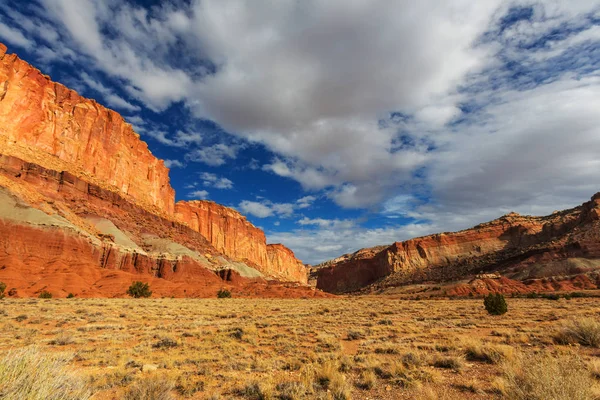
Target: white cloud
point(255, 208)
point(111, 98)
point(433, 100)
point(198, 194)
point(173, 164)
point(306, 201)
point(14, 36)
point(215, 155)
point(212, 180)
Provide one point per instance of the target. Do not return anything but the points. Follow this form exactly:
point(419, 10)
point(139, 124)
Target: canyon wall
point(50, 127)
point(48, 124)
point(510, 241)
point(231, 234)
point(226, 229)
point(284, 264)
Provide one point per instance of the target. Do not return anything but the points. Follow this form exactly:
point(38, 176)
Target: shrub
point(139, 289)
point(150, 388)
point(44, 294)
point(551, 296)
point(70, 296)
point(2, 289)
point(585, 331)
point(545, 377)
point(223, 294)
point(495, 304)
point(30, 374)
point(454, 363)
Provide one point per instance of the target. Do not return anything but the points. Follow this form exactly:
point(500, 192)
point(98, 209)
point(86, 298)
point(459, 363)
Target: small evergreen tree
point(223, 294)
point(44, 294)
point(495, 304)
point(139, 289)
point(2, 289)
point(70, 296)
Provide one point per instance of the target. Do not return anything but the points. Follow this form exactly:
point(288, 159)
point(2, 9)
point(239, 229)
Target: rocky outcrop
point(520, 244)
point(44, 122)
point(284, 264)
point(64, 235)
point(89, 155)
point(233, 235)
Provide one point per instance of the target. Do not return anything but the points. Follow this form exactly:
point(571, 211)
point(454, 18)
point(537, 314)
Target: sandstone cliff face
point(226, 229)
point(50, 240)
point(47, 127)
point(284, 264)
point(46, 123)
point(231, 234)
point(516, 241)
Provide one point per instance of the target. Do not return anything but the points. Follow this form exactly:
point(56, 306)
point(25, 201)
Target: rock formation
point(523, 248)
point(231, 234)
point(105, 204)
point(44, 122)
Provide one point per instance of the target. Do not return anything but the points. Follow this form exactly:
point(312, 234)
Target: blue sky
point(341, 124)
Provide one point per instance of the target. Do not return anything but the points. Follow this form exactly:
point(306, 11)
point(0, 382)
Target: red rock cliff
point(512, 241)
point(46, 123)
point(284, 264)
point(226, 229)
point(231, 234)
point(51, 126)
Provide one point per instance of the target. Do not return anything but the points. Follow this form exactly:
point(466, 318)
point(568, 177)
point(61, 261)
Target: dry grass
point(584, 331)
point(287, 349)
point(544, 376)
point(28, 374)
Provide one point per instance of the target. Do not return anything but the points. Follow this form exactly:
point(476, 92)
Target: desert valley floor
point(344, 348)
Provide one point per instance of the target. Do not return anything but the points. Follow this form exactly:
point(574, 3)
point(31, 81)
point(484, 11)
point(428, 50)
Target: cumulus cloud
point(266, 208)
point(212, 180)
point(447, 112)
point(198, 194)
point(14, 36)
point(215, 155)
point(110, 97)
point(173, 164)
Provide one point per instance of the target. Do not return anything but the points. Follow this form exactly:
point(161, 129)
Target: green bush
point(223, 294)
point(2, 289)
point(139, 289)
point(495, 304)
point(551, 296)
point(70, 296)
point(44, 294)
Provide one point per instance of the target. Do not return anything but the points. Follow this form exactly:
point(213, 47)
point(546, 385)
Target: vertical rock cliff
point(48, 124)
point(231, 233)
point(54, 129)
point(284, 264)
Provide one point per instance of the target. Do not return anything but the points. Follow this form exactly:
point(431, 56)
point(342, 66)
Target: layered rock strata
point(48, 126)
point(520, 246)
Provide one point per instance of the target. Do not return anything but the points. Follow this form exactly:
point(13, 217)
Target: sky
point(336, 125)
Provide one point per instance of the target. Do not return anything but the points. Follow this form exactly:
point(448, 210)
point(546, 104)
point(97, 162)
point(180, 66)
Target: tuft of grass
point(150, 388)
point(29, 374)
point(367, 380)
point(453, 363)
point(585, 331)
point(488, 353)
point(258, 391)
point(542, 376)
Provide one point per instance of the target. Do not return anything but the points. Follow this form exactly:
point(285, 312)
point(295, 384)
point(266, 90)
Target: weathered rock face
point(226, 229)
point(48, 124)
point(284, 264)
point(90, 156)
point(56, 245)
point(231, 234)
point(512, 242)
